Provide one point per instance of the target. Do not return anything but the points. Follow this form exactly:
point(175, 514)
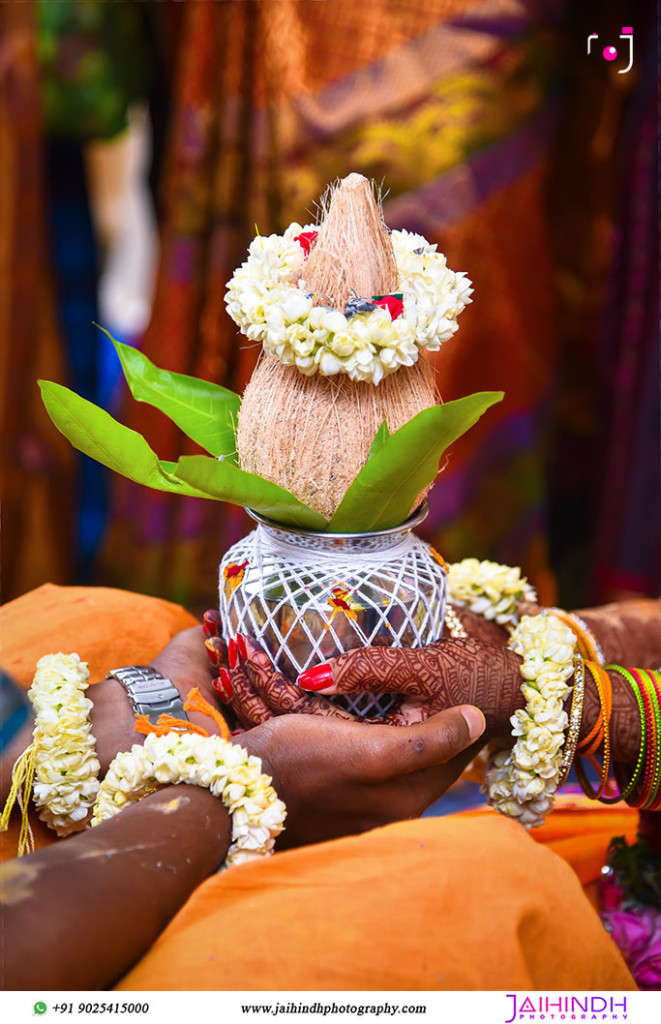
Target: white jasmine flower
point(329, 364)
point(65, 760)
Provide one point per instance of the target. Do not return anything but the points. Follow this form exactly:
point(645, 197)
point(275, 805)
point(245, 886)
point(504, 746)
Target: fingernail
point(220, 690)
point(212, 651)
point(226, 680)
point(232, 655)
point(211, 622)
point(241, 644)
point(475, 720)
point(317, 678)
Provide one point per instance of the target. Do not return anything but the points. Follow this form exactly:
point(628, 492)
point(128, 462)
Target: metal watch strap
point(150, 693)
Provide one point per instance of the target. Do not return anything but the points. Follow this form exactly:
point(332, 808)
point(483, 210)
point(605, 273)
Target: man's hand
point(341, 777)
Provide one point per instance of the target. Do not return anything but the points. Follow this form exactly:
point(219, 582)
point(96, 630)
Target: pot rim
point(409, 524)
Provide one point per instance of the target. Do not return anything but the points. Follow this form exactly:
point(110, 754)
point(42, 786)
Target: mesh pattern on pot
point(307, 603)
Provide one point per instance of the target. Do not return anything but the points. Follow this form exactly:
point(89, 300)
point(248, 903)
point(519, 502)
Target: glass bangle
point(627, 786)
point(649, 788)
point(602, 733)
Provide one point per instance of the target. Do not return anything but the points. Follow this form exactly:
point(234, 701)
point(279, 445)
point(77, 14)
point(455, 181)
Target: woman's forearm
point(120, 883)
point(629, 632)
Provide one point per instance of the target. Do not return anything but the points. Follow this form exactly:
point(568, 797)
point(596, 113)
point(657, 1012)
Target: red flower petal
point(394, 305)
point(306, 240)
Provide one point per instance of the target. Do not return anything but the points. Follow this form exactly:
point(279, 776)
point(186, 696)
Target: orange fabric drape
point(106, 627)
point(439, 903)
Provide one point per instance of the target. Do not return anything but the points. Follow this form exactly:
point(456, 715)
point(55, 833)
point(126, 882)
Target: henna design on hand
point(247, 704)
point(479, 628)
point(280, 695)
point(444, 674)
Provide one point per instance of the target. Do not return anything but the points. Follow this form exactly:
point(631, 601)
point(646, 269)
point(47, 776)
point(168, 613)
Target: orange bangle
point(600, 733)
point(590, 744)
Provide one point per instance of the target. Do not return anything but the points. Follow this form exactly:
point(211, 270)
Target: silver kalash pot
point(307, 596)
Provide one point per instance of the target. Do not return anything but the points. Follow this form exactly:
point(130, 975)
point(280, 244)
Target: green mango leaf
point(206, 412)
point(93, 431)
point(383, 493)
point(380, 438)
point(221, 479)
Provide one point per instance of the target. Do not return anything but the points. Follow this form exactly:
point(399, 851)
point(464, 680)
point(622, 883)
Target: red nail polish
point(212, 650)
point(317, 678)
point(220, 690)
point(211, 622)
point(241, 644)
point(232, 655)
point(226, 681)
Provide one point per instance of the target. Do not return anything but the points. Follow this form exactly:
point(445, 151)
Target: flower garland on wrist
point(489, 589)
point(521, 782)
point(208, 761)
point(66, 765)
point(372, 336)
point(62, 757)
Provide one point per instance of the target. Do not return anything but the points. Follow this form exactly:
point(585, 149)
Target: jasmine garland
point(66, 766)
point(269, 300)
point(224, 768)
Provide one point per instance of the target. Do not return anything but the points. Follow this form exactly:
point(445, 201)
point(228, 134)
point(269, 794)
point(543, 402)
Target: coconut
point(312, 435)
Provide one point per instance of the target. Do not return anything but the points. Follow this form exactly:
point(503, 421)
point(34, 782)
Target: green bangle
point(643, 676)
point(631, 784)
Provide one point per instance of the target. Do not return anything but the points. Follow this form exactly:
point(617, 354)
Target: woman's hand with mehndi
point(430, 679)
point(441, 675)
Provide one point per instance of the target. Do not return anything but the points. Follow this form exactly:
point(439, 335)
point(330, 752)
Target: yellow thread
point(21, 788)
point(259, 236)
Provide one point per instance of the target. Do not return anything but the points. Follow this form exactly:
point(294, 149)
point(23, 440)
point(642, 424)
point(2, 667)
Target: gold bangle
point(575, 718)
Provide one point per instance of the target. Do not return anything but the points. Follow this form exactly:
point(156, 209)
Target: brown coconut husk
point(312, 435)
point(353, 251)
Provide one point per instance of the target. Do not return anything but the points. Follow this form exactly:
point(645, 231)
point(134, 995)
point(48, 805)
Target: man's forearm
point(119, 885)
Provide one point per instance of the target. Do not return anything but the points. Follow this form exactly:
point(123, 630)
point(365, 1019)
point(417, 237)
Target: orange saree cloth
point(469, 901)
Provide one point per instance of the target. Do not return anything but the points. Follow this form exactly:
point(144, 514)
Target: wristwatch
point(150, 693)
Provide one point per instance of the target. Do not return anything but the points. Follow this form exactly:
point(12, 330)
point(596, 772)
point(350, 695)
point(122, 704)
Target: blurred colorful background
point(140, 144)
